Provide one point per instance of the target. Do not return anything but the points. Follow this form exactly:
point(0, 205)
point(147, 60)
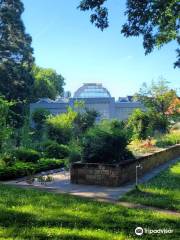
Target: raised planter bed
point(115, 175)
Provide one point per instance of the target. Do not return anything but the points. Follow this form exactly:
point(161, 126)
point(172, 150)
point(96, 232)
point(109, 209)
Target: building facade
point(94, 96)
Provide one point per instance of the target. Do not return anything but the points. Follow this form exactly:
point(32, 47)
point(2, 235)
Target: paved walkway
point(61, 184)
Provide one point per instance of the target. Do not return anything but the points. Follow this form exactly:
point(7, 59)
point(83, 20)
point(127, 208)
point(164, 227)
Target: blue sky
point(65, 40)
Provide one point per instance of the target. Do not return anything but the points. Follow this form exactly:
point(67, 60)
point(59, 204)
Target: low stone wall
point(115, 175)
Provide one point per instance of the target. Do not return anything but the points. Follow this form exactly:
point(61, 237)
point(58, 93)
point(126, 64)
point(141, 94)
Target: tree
point(15, 52)
point(47, 83)
point(84, 120)
point(39, 117)
point(158, 98)
point(15, 55)
point(157, 21)
point(5, 130)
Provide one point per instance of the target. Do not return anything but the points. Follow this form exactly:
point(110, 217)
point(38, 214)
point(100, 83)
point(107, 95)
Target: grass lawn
point(162, 191)
point(34, 214)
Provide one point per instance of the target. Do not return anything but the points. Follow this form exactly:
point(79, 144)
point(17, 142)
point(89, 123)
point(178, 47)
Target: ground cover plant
point(162, 191)
point(169, 139)
point(34, 214)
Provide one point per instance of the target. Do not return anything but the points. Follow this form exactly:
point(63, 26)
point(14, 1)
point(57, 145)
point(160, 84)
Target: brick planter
point(115, 175)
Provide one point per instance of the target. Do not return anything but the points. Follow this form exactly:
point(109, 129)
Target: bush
point(39, 116)
point(26, 155)
point(60, 127)
point(21, 169)
point(8, 159)
point(55, 150)
point(168, 140)
point(106, 144)
point(139, 124)
point(74, 152)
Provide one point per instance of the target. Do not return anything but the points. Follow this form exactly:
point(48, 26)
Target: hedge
point(21, 169)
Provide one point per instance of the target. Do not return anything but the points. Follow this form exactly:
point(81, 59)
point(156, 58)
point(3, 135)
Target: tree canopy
point(15, 52)
point(16, 59)
point(157, 21)
point(47, 84)
point(158, 99)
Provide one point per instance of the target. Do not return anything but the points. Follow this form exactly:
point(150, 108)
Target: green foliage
point(158, 98)
point(106, 144)
point(25, 134)
point(157, 21)
point(139, 123)
point(5, 129)
point(55, 150)
point(20, 169)
point(75, 151)
point(39, 117)
point(8, 159)
point(15, 57)
point(26, 155)
point(48, 84)
point(168, 139)
point(60, 127)
point(84, 120)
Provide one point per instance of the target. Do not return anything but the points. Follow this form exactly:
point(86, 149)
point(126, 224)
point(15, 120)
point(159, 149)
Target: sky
point(65, 40)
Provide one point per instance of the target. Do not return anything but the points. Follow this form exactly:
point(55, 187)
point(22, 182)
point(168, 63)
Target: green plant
point(139, 123)
point(5, 129)
point(39, 117)
point(20, 169)
point(60, 127)
point(8, 159)
point(75, 153)
point(26, 155)
point(55, 150)
point(106, 144)
point(168, 139)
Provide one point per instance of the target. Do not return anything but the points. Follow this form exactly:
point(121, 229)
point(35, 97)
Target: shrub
point(8, 159)
point(60, 127)
point(106, 145)
point(168, 140)
point(50, 163)
point(139, 123)
point(20, 169)
point(39, 116)
point(27, 155)
point(55, 150)
point(74, 152)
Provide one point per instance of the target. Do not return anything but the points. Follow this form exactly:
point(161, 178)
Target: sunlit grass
point(162, 191)
point(33, 214)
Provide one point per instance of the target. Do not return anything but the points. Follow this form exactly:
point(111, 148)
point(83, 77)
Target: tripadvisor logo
point(140, 231)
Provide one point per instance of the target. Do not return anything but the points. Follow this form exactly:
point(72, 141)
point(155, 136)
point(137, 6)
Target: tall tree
point(157, 21)
point(47, 84)
point(158, 99)
point(15, 55)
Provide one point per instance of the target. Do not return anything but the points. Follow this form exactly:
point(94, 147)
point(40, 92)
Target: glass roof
point(92, 90)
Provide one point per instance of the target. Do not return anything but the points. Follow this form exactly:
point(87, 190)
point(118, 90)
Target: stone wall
point(115, 175)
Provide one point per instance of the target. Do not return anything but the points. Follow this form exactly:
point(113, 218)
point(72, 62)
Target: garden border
point(114, 175)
